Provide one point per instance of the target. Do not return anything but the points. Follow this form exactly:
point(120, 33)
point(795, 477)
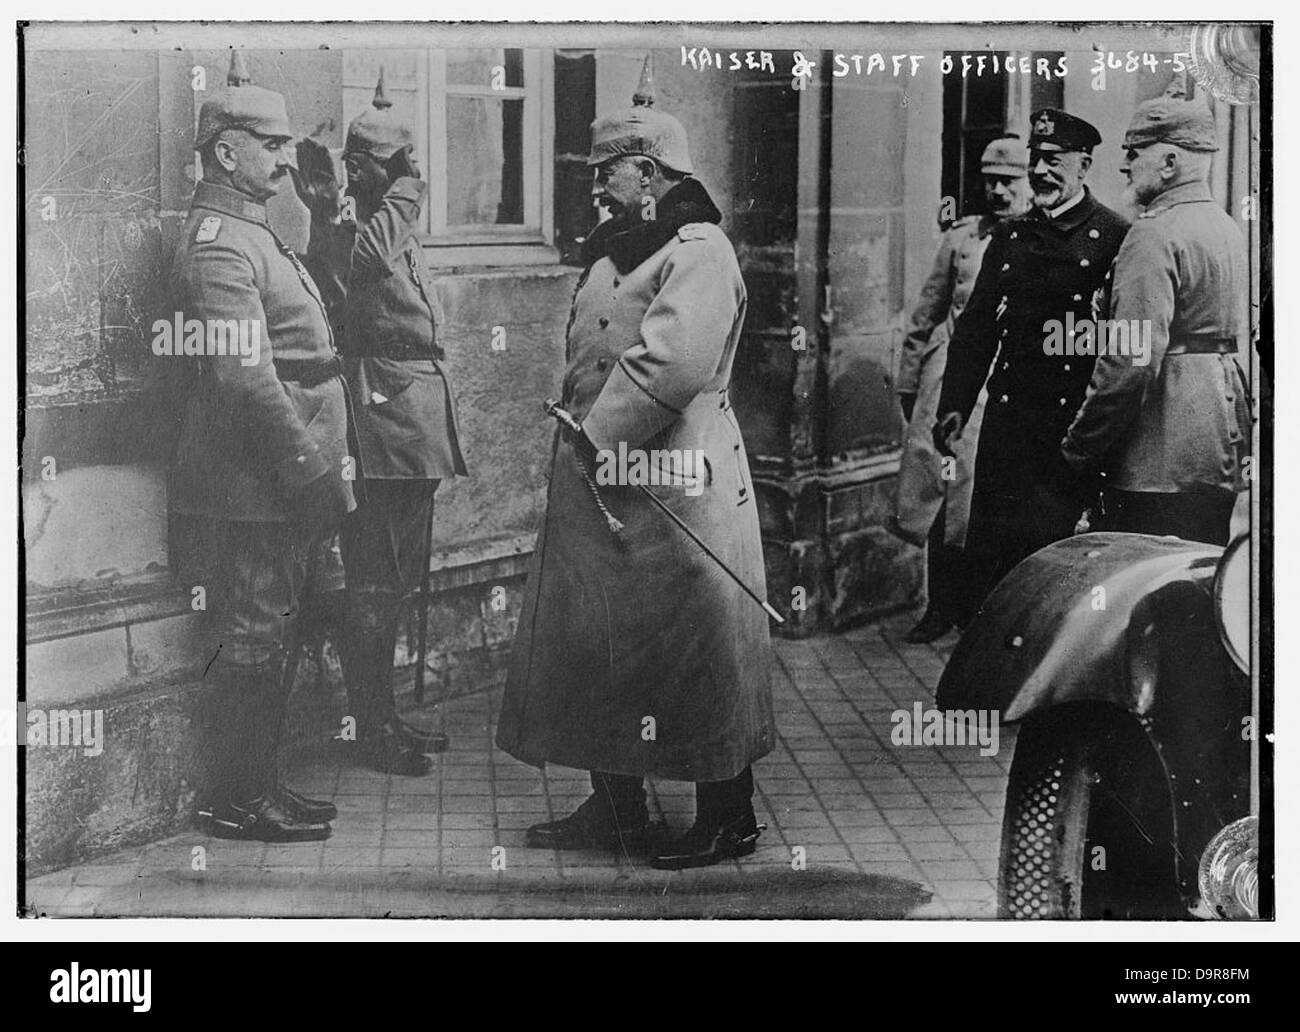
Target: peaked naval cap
point(1055, 130)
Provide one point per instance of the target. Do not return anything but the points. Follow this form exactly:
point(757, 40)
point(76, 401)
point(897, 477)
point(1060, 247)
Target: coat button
point(300, 459)
point(1004, 399)
point(1084, 262)
point(1078, 297)
point(1005, 266)
point(604, 321)
point(1067, 367)
point(1062, 401)
point(1093, 233)
point(1015, 236)
point(602, 364)
point(617, 281)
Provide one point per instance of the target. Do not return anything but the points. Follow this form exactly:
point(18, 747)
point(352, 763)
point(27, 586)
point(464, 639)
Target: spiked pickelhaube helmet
point(377, 131)
point(241, 105)
point(641, 131)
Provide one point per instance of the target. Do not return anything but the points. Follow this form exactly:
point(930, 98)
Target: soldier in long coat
point(636, 655)
point(259, 478)
point(933, 500)
point(1172, 430)
point(1046, 268)
point(406, 429)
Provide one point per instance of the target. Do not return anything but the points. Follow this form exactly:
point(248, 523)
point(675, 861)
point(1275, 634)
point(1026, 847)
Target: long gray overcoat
point(635, 654)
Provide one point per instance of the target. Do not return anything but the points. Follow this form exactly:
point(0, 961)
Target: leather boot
point(298, 806)
point(250, 810)
point(725, 827)
point(386, 743)
point(614, 817)
point(931, 627)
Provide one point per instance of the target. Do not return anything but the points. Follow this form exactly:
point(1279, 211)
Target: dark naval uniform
point(1172, 432)
point(1036, 269)
point(406, 434)
point(260, 475)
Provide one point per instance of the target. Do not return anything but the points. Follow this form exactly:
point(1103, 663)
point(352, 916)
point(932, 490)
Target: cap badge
point(1044, 126)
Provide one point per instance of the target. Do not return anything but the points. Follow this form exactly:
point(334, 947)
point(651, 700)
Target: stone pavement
point(857, 827)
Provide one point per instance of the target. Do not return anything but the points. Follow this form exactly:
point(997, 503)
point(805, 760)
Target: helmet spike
point(238, 74)
point(380, 102)
point(645, 89)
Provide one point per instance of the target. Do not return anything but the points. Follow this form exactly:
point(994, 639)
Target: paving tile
point(834, 785)
point(949, 870)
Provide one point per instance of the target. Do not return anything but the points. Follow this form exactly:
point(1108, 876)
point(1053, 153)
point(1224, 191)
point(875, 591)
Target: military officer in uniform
point(933, 495)
point(259, 479)
point(1046, 267)
point(1172, 431)
point(636, 656)
point(405, 423)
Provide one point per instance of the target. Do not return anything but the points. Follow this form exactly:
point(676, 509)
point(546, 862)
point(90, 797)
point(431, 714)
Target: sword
point(566, 419)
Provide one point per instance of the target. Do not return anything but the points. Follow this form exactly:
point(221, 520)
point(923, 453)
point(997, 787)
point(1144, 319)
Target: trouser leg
point(719, 802)
point(383, 545)
point(253, 575)
point(622, 794)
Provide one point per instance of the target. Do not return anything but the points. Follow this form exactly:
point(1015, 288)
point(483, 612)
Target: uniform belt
point(1202, 346)
point(434, 354)
point(308, 373)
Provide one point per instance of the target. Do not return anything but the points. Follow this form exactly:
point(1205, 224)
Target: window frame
point(531, 243)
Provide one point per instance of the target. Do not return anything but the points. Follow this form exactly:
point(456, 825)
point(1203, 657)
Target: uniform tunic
point(922, 488)
point(635, 654)
point(251, 439)
point(405, 410)
point(1036, 271)
point(1182, 421)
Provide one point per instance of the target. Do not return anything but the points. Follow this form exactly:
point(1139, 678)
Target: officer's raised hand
point(402, 165)
point(947, 432)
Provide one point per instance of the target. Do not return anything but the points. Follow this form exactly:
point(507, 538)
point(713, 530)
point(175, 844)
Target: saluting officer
point(259, 474)
point(635, 654)
point(405, 422)
point(1047, 267)
point(1172, 432)
point(933, 501)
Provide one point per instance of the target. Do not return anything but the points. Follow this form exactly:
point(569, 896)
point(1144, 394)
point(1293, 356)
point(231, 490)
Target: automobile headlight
point(1229, 871)
point(1232, 600)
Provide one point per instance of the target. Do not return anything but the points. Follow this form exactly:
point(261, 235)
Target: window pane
point(485, 172)
point(473, 66)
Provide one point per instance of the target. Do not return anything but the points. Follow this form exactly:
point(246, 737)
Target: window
point(978, 109)
point(484, 128)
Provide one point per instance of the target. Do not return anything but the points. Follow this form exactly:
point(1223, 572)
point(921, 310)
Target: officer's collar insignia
point(1044, 126)
point(208, 230)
